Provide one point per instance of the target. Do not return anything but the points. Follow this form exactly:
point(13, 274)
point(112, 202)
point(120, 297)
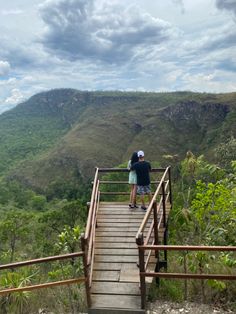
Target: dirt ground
point(164, 307)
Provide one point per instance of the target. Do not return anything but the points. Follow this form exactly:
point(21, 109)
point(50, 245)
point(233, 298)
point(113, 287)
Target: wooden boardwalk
point(115, 284)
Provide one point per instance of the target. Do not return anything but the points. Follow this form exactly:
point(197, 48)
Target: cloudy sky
point(145, 45)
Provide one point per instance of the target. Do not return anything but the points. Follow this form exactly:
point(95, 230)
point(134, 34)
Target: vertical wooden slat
point(155, 225)
point(164, 203)
point(170, 190)
point(86, 272)
point(140, 242)
point(89, 222)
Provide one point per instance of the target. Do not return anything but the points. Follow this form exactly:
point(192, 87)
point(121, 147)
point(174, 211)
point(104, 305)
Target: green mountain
point(63, 134)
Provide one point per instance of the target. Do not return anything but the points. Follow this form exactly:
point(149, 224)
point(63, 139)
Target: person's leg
point(131, 195)
point(130, 198)
point(150, 197)
point(134, 194)
point(142, 200)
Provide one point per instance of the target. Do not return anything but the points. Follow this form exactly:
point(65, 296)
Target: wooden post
point(165, 243)
point(169, 173)
point(86, 272)
point(87, 206)
point(155, 226)
point(141, 252)
point(164, 203)
point(164, 219)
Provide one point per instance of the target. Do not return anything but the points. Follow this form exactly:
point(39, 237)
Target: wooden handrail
point(121, 182)
point(43, 285)
point(48, 284)
point(40, 260)
point(189, 276)
point(188, 248)
point(127, 170)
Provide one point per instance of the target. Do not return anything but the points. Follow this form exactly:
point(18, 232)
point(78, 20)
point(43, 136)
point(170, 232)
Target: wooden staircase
point(115, 282)
point(113, 253)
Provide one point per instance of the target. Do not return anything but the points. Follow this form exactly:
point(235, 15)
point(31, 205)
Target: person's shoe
point(143, 208)
point(130, 205)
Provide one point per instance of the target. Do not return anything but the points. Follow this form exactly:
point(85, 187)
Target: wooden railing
point(161, 199)
point(157, 248)
point(156, 211)
point(88, 239)
point(13, 266)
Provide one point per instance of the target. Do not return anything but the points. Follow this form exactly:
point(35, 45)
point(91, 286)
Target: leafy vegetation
point(204, 213)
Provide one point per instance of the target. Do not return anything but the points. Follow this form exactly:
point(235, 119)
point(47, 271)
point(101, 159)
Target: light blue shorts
point(132, 177)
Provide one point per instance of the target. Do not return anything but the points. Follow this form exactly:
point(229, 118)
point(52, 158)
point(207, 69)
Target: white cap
point(140, 153)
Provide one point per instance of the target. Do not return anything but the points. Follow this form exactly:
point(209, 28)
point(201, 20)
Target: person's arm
point(129, 164)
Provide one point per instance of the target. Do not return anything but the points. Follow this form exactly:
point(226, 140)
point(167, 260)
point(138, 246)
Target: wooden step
point(117, 245)
point(120, 288)
point(115, 311)
point(116, 301)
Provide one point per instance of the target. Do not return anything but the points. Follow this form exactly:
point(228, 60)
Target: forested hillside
point(49, 147)
point(66, 133)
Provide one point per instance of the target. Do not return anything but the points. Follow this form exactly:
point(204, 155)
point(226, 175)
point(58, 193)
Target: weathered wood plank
point(107, 245)
point(127, 288)
point(116, 266)
point(114, 251)
point(115, 301)
point(117, 234)
point(119, 229)
point(105, 237)
point(116, 259)
point(120, 220)
point(107, 266)
point(120, 205)
point(110, 275)
point(103, 310)
point(129, 275)
point(114, 213)
point(118, 224)
point(123, 229)
point(131, 211)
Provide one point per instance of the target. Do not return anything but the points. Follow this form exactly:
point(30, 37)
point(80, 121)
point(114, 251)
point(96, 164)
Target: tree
point(15, 230)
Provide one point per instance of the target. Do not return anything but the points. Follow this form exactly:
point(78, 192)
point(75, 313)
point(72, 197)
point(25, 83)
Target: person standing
point(133, 180)
point(143, 169)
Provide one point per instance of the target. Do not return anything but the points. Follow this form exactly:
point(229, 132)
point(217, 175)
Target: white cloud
point(77, 29)
point(11, 12)
point(15, 97)
point(4, 68)
point(181, 4)
point(229, 5)
point(103, 44)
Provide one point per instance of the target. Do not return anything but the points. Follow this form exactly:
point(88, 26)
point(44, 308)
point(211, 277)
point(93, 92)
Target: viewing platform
point(114, 233)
